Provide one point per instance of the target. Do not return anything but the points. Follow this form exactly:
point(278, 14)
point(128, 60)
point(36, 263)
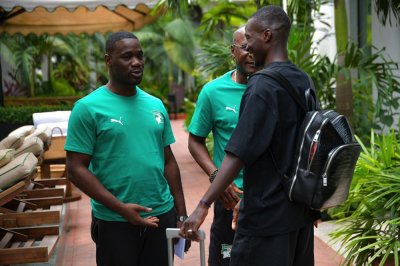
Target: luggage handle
point(174, 233)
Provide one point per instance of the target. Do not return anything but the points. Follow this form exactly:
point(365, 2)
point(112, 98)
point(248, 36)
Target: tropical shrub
point(370, 230)
point(369, 70)
point(23, 114)
point(68, 60)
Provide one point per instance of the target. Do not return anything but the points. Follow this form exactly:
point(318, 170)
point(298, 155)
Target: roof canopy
point(73, 16)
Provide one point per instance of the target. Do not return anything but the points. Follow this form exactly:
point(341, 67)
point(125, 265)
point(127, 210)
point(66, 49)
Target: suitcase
point(174, 233)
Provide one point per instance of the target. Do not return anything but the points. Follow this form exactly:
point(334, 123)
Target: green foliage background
point(23, 114)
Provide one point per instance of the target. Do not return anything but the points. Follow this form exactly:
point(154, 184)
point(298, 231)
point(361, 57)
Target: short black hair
point(273, 17)
point(117, 36)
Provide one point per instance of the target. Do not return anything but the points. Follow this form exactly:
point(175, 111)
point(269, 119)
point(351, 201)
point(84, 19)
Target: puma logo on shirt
point(112, 120)
point(231, 109)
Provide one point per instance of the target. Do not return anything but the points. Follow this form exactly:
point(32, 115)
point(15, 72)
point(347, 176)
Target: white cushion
point(6, 156)
point(24, 130)
point(52, 120)
point(34, 145)
point(12, 142)
point(50, 117)
point(21, 167)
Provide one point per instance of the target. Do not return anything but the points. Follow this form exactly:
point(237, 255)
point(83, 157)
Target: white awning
point(73, 16)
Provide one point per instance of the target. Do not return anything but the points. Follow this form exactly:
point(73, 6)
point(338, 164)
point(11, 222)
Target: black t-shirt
point(268, 122)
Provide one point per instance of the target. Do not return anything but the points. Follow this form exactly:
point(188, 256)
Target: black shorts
point(221, 236)
point(292, 249)
point(124, 244)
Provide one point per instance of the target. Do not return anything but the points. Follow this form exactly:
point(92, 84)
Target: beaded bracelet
point(212, 176)
point(205, 203)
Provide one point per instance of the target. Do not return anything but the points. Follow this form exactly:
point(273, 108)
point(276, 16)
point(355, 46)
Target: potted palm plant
point(370, 234)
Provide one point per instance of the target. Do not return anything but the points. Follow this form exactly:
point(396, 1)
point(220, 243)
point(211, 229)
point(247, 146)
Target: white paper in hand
point(180, 248)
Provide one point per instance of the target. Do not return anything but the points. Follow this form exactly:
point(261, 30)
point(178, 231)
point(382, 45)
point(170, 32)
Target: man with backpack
point(272, 230)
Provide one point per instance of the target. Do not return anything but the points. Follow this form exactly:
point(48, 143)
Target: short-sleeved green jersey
point(126, 137)
point(217, 110)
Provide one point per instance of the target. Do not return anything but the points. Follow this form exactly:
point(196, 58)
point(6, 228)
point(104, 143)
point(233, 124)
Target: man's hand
point(235, 216)
point(190, 227)
point(131, 212)
point(188, 242)
point(230, 197)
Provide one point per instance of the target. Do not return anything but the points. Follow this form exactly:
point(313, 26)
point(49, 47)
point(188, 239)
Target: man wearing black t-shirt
point(271, 229)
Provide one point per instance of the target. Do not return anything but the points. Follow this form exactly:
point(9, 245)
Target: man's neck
point(276, 53)
point(121, 89)
point(239, 77)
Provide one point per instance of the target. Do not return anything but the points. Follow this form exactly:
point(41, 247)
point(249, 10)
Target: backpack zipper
point(314, 143)
point(328, 163)
point(326, 112)
point(336, 118)
point(298, 159)
point(313, 148)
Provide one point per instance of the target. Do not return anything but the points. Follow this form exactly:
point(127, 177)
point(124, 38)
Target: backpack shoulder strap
point(286, 85)
point(311, 95)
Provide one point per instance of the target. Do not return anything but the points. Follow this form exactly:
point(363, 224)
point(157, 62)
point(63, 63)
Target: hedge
point(23, 114)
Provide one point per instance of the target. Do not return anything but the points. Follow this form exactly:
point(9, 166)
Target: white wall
point(328, 45)
point(389, 37)
point(382, 36)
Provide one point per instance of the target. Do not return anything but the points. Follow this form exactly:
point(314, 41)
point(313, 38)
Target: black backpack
point(325, 154)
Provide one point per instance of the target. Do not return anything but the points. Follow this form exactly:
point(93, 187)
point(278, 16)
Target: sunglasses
point(242, 47)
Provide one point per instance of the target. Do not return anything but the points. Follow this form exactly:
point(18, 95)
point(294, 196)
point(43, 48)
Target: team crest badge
point(226, 251)
point(158, 117)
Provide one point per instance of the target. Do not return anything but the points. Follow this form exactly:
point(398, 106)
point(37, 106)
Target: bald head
point(243, 59)
point(238, 35)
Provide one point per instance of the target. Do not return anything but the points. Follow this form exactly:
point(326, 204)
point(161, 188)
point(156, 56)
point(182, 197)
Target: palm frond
point(388, 9)
point(214, 59)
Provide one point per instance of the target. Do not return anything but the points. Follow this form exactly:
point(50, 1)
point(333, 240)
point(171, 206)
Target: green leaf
point(180, 55)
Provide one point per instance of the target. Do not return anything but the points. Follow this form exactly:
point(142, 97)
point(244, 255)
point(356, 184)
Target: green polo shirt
point(217, 110)
point(126, 137)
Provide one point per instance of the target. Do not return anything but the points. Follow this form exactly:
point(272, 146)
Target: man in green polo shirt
point(217, 110)
point(118, 153)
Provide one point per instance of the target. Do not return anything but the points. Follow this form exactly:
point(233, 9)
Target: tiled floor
point(76, 248)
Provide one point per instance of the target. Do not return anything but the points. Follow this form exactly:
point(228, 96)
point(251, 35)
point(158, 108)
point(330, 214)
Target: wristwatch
point(212, 176)
point(181, 218)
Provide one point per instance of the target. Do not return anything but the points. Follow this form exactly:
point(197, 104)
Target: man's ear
point(107, 59)
point(232, 49)
point(267, 35)
point(233, 52)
